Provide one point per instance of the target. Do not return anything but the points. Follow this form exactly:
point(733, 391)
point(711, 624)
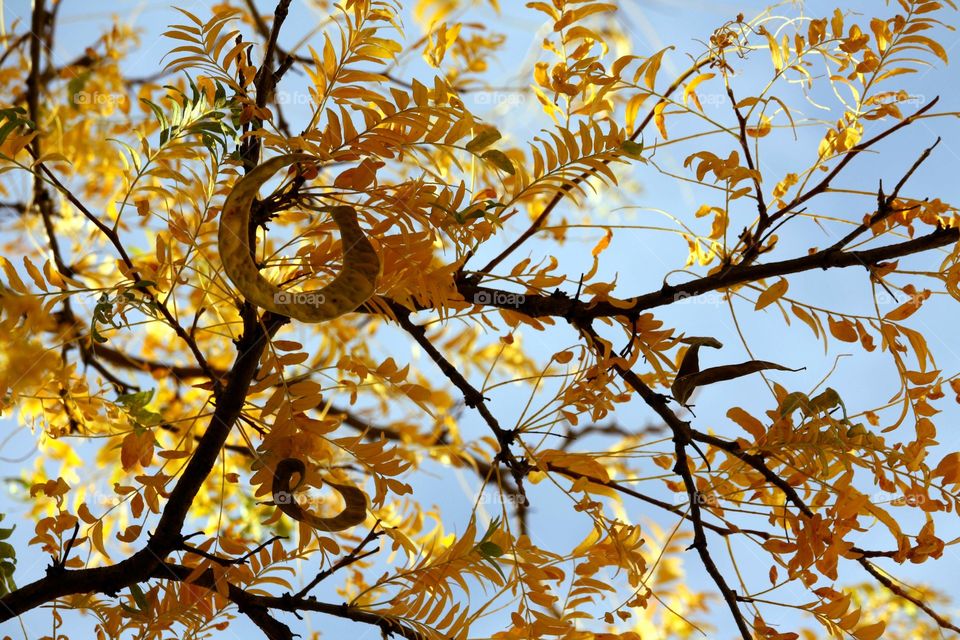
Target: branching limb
point(900, 592)
point(682, 438)
point(471, 396)
point(227, 562)
point(261, 605)
point(752, 251)
point(117, 243)
point(355, 555)
point(538, 306)
point(885, 206)
point(748, 156)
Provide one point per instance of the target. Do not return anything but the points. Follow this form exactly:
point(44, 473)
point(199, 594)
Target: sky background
point(641, 259)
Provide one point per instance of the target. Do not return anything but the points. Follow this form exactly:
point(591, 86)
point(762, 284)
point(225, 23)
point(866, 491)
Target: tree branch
point(471, 396)
point(681, 439)
point(261, 604)
point(536, 306)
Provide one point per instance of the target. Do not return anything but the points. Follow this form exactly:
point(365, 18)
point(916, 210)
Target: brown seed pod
point(352, 286)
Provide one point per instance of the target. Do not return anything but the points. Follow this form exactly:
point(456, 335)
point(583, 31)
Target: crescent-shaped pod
point(351, 287)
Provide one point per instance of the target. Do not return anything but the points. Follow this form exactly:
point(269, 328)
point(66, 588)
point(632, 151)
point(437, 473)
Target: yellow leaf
point(13, 278)
point(34, 273)
point(749, 424)
point(772, 294)
point(96, 538)
point(806, 318)
point(905, 310)
point(775, 53)
point(650, 67)
point(779, 546)
point(692, 86)
point(658, 119)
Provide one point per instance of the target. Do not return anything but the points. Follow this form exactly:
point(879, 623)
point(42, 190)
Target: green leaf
point(826, 401)
point(491, 529)
point(139, 598)
point(500, 160)
point(490, 549)
point(484, 139)
point(792, 402)
point(135, 405)
point(632, 149)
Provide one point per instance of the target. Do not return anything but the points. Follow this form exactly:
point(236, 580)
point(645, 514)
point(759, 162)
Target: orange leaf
point(603, 243)
point(779, 546)
point(692, 85)
point(905, 310)
point(870, 631)
point(659, 120)
point(842, 329)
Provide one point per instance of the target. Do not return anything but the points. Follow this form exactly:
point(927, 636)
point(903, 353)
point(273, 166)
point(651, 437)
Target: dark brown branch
point(355, 555)
point(756, 462)
point(748, 156)
point(38, 27)
point(537, 306)
point(898, 591)
point(824, 184)
point(729, 530)
point(13, 46)
point(753, 250)
point(41, 24)
point(369, 430)
point(18, 207)
point(266, 80)
point(227, 562)
point(247, 601)
point(472, 397)
point(115, 240)
point(885, 206)
point(661, 504)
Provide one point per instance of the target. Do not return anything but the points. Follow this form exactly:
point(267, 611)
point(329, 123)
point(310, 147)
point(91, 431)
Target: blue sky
point(640, 259)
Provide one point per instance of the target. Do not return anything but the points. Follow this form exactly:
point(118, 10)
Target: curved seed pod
point(349, 289)
point(353, 514)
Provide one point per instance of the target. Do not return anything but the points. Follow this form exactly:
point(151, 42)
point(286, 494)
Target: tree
point(205, 399)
